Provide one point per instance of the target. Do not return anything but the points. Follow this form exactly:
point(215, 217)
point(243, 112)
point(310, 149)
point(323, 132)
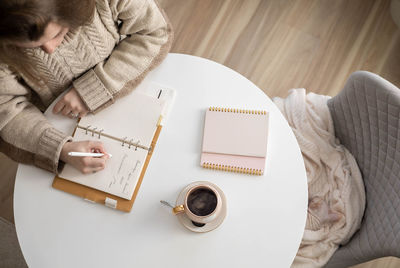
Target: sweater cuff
point(92, 90)
point(49, 149)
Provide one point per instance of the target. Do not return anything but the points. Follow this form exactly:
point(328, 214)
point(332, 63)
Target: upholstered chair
point(366, 116)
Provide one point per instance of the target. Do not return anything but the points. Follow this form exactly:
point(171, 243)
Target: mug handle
point(178, 209)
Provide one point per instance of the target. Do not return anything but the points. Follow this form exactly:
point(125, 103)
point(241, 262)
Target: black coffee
point(202, 202)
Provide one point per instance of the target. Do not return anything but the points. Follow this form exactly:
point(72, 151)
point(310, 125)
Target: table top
point(265, 217)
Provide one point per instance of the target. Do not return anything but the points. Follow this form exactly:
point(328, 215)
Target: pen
point(87, 154)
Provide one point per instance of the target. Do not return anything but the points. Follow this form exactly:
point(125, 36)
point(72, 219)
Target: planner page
point(132, 119)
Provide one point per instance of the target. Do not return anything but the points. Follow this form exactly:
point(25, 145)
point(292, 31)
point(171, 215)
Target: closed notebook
point(235, 140)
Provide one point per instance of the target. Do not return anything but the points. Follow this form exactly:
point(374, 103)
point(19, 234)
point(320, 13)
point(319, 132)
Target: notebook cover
point(100, 196)
point(235, 140)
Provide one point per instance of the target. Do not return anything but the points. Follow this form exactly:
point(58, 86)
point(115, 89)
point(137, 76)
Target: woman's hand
point(71, 105)
point(84, 164)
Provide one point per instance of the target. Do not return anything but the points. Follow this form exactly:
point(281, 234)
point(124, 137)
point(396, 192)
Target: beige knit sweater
point(103, 61)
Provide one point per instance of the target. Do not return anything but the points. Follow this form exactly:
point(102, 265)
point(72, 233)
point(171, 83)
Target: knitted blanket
point(335, 187)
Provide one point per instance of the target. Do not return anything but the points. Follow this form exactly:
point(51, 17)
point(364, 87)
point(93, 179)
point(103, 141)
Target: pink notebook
point(235, 140)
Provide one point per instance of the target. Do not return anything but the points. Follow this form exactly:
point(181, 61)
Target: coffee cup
point(202, 204)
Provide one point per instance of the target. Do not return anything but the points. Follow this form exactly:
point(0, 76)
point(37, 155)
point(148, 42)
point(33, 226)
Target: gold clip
point(137, 144)
point(130, 143)
point(101, 130)
point(87, 129)
point(93, 131)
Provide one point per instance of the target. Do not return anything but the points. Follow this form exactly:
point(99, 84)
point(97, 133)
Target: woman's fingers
point(86, 165)
point(71, 105)
point(82, 114)
point(97, 169)
point(58, 107)
point(93, 164)
point(66, 111)
point(96, 146)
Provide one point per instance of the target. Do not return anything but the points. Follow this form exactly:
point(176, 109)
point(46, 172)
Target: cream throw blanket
point(333, 177)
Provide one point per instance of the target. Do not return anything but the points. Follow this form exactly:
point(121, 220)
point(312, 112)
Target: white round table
point(266, 214)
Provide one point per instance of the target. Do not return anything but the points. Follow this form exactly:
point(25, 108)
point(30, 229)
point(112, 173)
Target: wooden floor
point(282, 44)
point(279, 45)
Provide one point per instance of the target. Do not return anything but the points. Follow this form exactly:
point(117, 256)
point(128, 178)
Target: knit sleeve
point(25, 134)
point(148, 39)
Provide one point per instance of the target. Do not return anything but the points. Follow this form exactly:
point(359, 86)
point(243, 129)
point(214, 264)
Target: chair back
point(366, 116)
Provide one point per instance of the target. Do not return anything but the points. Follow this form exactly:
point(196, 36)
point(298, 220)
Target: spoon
point(165, 203)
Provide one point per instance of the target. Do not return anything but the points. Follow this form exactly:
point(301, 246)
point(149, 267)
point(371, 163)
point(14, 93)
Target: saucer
point(183, 218)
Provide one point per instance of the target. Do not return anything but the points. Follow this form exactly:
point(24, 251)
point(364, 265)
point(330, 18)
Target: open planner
point(128, 130)
point(235, 140)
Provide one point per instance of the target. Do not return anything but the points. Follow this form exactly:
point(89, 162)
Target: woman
point(99, 50)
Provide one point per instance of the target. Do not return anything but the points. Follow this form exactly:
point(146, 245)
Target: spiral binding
point(252, 171)
point(89, 130)
point(233, 110)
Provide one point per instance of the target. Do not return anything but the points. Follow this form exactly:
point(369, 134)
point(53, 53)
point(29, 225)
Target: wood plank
point(279, 45)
